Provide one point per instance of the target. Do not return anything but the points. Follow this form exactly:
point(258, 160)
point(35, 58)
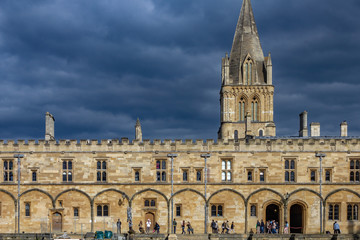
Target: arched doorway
point(56, 222)
point(296, 219)
point(273, 213)
point(151, 216)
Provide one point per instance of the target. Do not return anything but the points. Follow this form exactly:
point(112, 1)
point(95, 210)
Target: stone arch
point(75, 190)
point(42, 191)
point(9, 193)
point(297, 222)
point(112, 189)
point(339, 190)
point(226, 189)
point(305, 189)
point(265, 189)
point(151, 190)
point(188, 189)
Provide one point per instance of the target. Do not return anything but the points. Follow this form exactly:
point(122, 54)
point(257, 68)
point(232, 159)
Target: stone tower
point(138, 131)
point(246, 90)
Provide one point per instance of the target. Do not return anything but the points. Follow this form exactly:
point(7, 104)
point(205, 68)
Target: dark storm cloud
point(98, 65)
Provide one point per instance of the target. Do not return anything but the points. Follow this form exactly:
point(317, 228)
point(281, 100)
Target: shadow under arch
point(9, 193)
point(114, 190)
point(339, 190)
point(298, 201)
point(147, 190)
point(266, 189)
point(42, 191)
point(226, 189)
point(308, 190)
point(75, 190)
point(188, 189)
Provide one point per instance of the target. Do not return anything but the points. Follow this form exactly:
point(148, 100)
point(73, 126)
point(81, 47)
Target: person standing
point(286, 228)
point(257, 227)
point(183, 227)
point(148, 225)
point(262, 226)
point(336, 228)
point(232, 228)
point(157, 228)
point(174, 225)
point(118, 226)
point(190, 229)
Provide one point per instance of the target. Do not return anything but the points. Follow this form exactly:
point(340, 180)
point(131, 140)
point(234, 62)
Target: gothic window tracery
point(248, 71)
point(242, 109)
point(255, 109)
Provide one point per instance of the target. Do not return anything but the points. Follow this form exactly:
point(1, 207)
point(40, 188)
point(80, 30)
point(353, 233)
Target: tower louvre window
point(242, 110)
point(254, 109)
point(248, 71)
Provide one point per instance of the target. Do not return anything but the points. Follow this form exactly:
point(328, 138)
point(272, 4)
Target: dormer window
point(248, 71)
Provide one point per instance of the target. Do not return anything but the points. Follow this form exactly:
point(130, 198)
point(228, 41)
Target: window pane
point(356, 213)
point(157, 164)
point(106, 210)
point(292, 164)
point(104, 165)
point(249, 176)
point(229, 176)
point(98, 176)
point(5, 165)
point(198, 175)
point(153, 203)
point(11, 176)
point(163, 164)
point(158, 176)
point(10, 165)
point(98, 165)
point(228, 165)
point(357, 164)
point(99, 211)
point(213, 211)
point(336, 212)
point(223, 176)
point(147, 203)
point(64, 165)
point(27, 210)
point(331, 212)
point(34, 176)
point(349, 212)
point(292, 177)
point(70, 165)
point(357, 177)
point(6, 176)
point(220, 211)
point(223, 165)
point(352, 164)
point(69, 176)
point(312, 176)
point(64, 177)
point(253, 211)
point(178, 211)
point(287, 164)
point(104, 176)
point(262, 176)
point(327, 176)
point(76, 212)
point(137, 176)
point(185, 176)
point(352, 177)
point(163, 176)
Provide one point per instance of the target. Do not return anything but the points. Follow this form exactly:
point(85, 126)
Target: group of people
point(271, 227)
point(225, 227)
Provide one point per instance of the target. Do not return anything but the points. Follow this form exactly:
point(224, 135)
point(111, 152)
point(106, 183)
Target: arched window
point(292, 166)
point(98, 165)
point(236, 135)
point(254, 110)
point(286, 164)
point(98, 176)
point(69, 165)
point(153, 203)
point(357, 164)
point(352, 177)
point(248, 71)
point(64, 177)
point(104, 165)
point(163, 176)
point(104, 176)
point(69, 176)
point(242, 110)
point(287, 176)
point(147, 203)
point(352, 164)
point(261, 133)
point(292, 176)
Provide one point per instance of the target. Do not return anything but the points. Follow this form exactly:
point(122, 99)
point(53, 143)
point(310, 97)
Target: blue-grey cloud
point(98, 65)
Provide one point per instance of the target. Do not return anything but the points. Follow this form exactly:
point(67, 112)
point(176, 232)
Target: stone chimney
point(315, 129)
point(269, 70)
point(138, 131)
point(344, 129)
point(49, 127)
point(303, 124)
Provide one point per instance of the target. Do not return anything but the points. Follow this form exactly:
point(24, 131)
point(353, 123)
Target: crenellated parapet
point(336, 144)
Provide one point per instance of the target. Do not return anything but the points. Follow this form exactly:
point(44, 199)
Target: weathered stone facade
point(86, 185)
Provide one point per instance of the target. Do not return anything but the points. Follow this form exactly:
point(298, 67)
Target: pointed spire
point(246, 41)
point(137, 122)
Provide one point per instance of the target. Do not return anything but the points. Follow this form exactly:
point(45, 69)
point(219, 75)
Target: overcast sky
point(97, 65)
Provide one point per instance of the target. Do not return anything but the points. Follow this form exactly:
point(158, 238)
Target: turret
point(138, 131)
point(49, 127)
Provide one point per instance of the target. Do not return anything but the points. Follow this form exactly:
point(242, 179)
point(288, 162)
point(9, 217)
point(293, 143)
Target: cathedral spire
point(246, 44)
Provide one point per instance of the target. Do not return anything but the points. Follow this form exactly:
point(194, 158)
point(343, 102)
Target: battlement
point(263, 144)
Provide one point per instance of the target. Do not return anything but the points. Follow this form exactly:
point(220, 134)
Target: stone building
point(249, 174)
